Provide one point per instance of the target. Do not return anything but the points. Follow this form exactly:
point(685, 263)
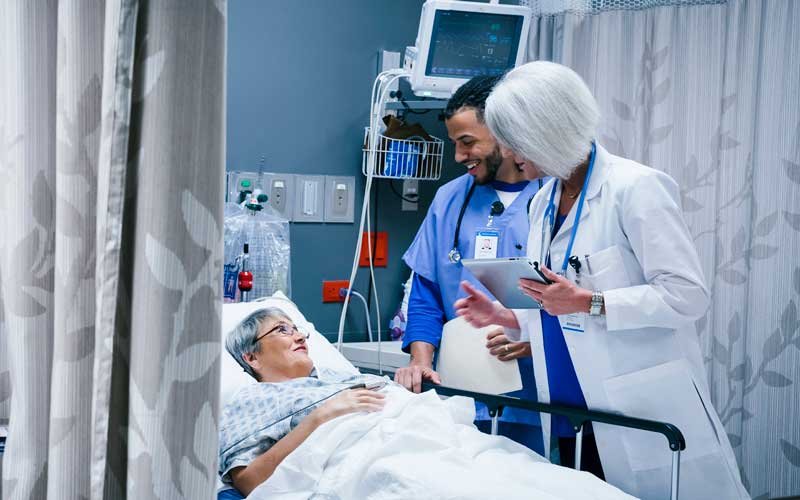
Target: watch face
point(596, 304)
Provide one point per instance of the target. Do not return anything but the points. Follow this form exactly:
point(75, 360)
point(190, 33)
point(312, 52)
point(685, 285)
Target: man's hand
point(411, 376)
point(504, 349)
point(420, 368)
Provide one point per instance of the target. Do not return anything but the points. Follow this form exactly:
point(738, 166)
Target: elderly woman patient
point(267, 421)
point(284, 432)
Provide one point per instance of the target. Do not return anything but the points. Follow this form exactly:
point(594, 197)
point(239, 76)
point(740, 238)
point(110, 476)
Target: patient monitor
point(458, 40)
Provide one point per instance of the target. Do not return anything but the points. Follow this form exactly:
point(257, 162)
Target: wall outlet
point(330, 290)
point(280, 189)
point(380, 249)
point(410, 192)
point(309, 198)
point(340, 198)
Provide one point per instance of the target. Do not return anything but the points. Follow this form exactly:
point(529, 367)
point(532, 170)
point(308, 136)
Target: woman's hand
point(480, 311)
point(504, 349)
point(560, 297)
point(245, 479)
point(349, 401)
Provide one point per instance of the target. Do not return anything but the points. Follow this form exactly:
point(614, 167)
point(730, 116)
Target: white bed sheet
point(420, 446)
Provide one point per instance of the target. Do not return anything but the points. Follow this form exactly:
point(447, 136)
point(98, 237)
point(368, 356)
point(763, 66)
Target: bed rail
point(578, 417)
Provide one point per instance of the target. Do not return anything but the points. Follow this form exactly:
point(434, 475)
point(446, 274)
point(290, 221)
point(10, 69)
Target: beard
point(492, 162)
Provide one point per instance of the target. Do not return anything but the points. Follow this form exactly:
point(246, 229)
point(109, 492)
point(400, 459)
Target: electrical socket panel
point(410, 192)
point(309, 198)
point(340, 198)
point(279, 189)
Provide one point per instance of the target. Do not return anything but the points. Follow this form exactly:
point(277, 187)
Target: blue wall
point(300, 74)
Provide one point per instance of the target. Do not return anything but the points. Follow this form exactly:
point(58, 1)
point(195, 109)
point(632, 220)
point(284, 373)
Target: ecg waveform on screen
point(466, 45)
point(491, 50)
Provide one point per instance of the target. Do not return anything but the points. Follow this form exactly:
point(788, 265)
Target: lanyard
point(550, 215)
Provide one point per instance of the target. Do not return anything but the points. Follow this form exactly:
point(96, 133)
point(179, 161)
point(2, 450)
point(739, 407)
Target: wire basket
point(412, 158)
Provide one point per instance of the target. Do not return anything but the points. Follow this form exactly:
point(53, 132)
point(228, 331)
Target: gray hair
point(545, 113)
point(241, 340)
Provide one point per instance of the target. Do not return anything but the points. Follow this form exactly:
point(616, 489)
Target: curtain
point(111, 180)
point(711, 95)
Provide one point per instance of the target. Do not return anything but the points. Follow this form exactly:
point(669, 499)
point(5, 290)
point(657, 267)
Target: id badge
point(574, 323)
point(486, 241)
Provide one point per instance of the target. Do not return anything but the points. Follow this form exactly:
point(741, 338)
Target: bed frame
point(578, 417)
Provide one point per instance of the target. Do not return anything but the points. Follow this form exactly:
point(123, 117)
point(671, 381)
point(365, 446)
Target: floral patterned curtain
point(112, 126)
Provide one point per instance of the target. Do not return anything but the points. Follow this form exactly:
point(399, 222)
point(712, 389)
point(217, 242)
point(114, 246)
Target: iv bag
point(267, 234)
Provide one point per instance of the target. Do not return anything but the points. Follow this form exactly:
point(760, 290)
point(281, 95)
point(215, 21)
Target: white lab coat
point(642, 358)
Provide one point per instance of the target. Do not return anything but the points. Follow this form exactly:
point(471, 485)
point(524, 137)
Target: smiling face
point(283, 353)
point(475, 146)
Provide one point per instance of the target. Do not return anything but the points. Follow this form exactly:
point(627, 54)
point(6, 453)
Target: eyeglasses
point(282, 329)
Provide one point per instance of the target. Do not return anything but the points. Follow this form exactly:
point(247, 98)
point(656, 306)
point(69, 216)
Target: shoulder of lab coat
point(673, 293)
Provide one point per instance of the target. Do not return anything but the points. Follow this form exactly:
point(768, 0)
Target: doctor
point(482, 214)
point(616, 332)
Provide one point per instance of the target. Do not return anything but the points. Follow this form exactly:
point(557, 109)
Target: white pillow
point(322, 352)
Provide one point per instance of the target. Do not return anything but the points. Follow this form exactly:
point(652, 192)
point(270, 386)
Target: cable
point(371, 264)
point(375, 293)
point(371, 138)
point(407, 108)
point(343, 291)
point(380, 88)
point(374, 243)
point(400, 195)
point(398, 94)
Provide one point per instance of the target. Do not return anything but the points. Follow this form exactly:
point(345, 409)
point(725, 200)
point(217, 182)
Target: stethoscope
point(497, 208)
point(549, 222)
point(454, 255)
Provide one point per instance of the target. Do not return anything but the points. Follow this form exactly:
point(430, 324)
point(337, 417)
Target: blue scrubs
point(230, 495)
point(436, 284)
point(561, 376)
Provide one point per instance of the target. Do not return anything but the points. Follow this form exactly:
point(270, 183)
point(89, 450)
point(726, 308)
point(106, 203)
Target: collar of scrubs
point(550, 214)
point(477, 203)
point(485, 195)
point(509, 187)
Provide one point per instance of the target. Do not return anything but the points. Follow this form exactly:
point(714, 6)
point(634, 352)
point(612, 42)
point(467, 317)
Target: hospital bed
point(325, 355)
point(578, 417)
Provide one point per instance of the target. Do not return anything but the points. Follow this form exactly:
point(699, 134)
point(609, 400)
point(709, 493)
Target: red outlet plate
point(380, 252)
point(330, 290)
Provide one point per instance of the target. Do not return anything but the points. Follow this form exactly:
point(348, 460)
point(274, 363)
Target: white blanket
point(421, 447)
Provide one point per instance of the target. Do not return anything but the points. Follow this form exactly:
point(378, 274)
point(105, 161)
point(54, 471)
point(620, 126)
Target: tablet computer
point(501, 277)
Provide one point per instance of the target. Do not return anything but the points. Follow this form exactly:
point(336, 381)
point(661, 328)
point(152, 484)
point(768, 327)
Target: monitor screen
point(466, 44)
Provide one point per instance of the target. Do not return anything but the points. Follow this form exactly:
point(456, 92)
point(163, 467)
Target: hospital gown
point(256, 417)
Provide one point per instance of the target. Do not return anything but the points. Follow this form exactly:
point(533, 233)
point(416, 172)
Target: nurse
point(483, 213)
point(616, 331)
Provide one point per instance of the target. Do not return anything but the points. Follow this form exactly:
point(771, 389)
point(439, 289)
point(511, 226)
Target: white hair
point(545, 113)
point(242, 339)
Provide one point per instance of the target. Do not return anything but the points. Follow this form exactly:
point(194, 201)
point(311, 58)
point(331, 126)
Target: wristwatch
point(596, 305)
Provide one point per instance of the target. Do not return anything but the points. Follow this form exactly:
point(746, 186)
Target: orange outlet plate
point(380, 250)
point(330, 290)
